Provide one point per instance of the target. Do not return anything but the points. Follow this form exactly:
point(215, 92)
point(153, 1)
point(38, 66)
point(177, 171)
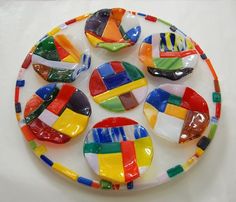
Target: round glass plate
point(118, 149)
point(118, 86)
point(112, 29)
point(169, 160)
point(57, 112)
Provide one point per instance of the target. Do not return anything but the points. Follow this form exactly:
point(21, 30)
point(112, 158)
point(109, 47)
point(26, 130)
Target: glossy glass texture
point(112, 29)
point(168, 55)
point(57, 113)
point(56, 59)
point(176, 112)
point(118, 86)
point(118, 149)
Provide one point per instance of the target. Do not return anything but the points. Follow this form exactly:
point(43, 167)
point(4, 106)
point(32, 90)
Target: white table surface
point(211, 23)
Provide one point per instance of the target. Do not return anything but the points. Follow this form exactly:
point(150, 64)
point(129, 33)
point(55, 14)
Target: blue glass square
point(116, 80)
point(106, 70)
point(158, 99)
point(45, 91)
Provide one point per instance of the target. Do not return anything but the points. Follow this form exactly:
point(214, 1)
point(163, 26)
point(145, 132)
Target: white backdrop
point(210, 23)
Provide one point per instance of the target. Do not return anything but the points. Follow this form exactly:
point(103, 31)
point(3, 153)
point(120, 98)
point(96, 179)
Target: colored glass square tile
point(158, 99)
point(116, 80)
point(130, 166)
point(32, 144)
point(169, 127)
point(199, 152)
point(194, 102)
point(216, 97)
point(140, 93)
point(168, 63)
point(212, 131)
point(48, 117)
point(139, 132)
point(105, 184)
point(117, 172)
point(39, 150)
point(175, 100)
point(96, 85)
point(18, 107)
point(102, 148)
point(133, 72)
point(175, 171)
point(46, 91)
point(130, 185)
point(143, 156)
point(92, 159)
point(113, 104)
point(106, 70)
point(176, 111)
point(117, 67)
point(79, 103)
point(61, 99)
point(20, 83)
point(71, 123)
point(203, 142)
point(128, 100)
point(151, 114)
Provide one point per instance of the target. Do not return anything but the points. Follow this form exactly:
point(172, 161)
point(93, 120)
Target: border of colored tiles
point(164, 177)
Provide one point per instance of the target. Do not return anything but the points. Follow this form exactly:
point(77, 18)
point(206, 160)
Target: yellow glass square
point(176, 111)
point(111, 167)
point(199, 152)
point(39, 150)
point(144, 151)
point(71, 123)
point(151, 114)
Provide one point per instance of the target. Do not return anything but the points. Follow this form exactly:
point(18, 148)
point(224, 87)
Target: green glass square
point(175, 100)
point(105, 184)
point(216, 97)
point(32, 144)
point(175, 171)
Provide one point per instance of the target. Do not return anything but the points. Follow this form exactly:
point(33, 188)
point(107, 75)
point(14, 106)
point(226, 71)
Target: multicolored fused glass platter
point(126, 110)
